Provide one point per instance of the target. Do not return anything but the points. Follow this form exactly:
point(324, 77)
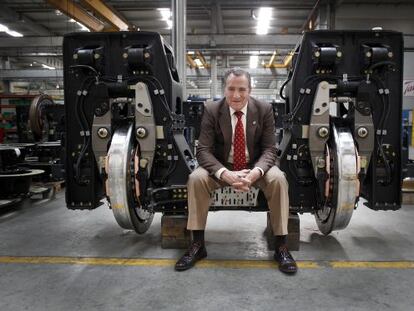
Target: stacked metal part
point(15, 179)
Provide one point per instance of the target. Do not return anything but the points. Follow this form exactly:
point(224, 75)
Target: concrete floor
point(49, 230)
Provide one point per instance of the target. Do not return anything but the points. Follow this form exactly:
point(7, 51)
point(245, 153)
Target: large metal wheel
point(343, 185)
point(122, 186)
point(38, 121)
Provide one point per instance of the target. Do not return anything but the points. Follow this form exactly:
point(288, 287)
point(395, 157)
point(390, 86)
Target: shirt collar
point(244, 110)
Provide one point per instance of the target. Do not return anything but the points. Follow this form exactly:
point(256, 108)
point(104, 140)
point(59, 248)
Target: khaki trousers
point(273, 184)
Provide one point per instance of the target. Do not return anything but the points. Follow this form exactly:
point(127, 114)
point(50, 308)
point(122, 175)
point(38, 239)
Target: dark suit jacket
point(216, 135)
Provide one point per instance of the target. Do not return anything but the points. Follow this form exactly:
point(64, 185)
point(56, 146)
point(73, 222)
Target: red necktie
point(239, 144)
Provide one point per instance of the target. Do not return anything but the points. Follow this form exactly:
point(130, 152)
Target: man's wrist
point(260, 170)
point(220, 172)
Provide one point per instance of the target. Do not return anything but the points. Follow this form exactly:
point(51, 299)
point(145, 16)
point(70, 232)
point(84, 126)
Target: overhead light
point(190, 52)
point(58, 13)
point(165, 13)
point(254, 59)
point(166, 16)
point(82, 26)
point(48, 67)
point(12, 33)
point(199, 63)
point(263, 20)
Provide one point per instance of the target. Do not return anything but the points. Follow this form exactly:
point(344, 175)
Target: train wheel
point(343, 183)
point(128, 212)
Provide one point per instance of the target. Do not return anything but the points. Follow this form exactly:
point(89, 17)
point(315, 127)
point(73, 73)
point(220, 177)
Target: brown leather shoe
point(195, 252)
point(285, 260)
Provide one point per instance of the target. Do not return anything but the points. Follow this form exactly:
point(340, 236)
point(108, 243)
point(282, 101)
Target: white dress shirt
point(233, 127)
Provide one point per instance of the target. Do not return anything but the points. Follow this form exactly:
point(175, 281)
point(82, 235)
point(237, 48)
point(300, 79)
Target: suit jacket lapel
point(225, 125)
point(251, 125)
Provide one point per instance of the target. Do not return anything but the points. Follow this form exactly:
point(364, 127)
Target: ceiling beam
point(33, 74)
point(216, 19)
point(193, 41)
point(78, 13)
point(12, 16)
point(108, 13)
point(191, 61)
point(311, 16)
point(201, 57)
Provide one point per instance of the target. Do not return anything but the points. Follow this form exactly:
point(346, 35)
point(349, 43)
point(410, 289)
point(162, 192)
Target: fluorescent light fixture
point(263, 20)
point(254, 59)
point(166, 16)
point(199, 63)
point(12, 33)
point(48, 67)
point(165, 13)
point(190, 52)
point(82, 26)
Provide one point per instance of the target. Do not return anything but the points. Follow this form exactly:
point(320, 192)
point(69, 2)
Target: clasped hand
point(241, 180)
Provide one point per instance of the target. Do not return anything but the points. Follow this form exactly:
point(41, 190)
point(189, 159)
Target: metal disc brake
point(121, 183)
point(343, 183)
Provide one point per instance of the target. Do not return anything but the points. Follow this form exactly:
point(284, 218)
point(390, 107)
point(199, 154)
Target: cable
point(383, 63)
point(284, 85)
point(85, 67)
point(83, 122)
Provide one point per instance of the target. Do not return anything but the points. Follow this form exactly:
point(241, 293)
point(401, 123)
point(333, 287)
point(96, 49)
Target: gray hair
point(237, 72)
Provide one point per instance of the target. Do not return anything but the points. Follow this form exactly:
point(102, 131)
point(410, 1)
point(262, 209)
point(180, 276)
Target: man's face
point(237, 91)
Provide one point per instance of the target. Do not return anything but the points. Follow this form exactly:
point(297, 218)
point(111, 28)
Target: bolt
point(390, 54)
point(141, 132)
point(125, 55)
point(317, 54)
point(103, 132)
point(143, 163)
point(324, 84)
point(97, 56)
point(362, 132)
point(75, 56)
point(339, 54)
point(321, 163)
point(146, 55)
point(323, 131)
point(368, 54)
